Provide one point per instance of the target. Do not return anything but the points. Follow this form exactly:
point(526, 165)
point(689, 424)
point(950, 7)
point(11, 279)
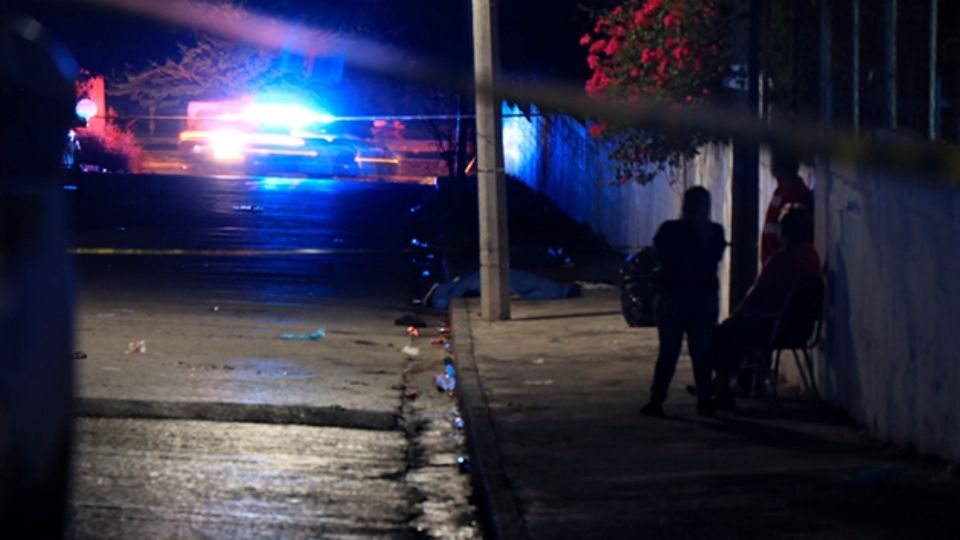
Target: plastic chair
point(797, 330)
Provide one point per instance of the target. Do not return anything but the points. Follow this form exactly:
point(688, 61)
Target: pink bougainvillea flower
point(652, 6)
point(596, 130)
point(613, 47)
point(647, 56)
point(598, 46)
point(586, 39)
point(670, 20)
point(593, 61)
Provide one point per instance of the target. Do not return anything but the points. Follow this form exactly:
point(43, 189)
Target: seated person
point(751, 323)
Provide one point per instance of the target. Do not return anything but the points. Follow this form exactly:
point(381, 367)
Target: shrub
point(111, 148)
point(659, 53)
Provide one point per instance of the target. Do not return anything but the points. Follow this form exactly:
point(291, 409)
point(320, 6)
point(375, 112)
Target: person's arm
point(764, 283)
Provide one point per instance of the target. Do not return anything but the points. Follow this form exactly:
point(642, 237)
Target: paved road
point(222, 429)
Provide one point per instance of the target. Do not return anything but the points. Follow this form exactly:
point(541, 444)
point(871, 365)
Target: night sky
point(538, 37)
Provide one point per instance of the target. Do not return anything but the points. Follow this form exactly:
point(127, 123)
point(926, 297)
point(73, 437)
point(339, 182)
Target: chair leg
point(802, 370)
point(773, 375)
point(808, 361)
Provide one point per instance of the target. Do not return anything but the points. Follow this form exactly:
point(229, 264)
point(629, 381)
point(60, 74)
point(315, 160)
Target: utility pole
point(745, 190)
point(491, 184)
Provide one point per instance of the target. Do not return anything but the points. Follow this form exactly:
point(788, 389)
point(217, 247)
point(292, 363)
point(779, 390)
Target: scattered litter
point(538, 382)
point(438, 341)
point(588, 286)
point(79, 355)
point(538, 360)
point(873, 477)
point(138, 347)
point(458, 423)
point(445, 383)
point(463, 464)
point(252, 208)
point(70, 187)
point(413, 331)
point(215, 309)
point(318, 335)
point(410, 393)
point(448, 367)
point(445, 330)
point(410, 320)
point(448, 346)
point(410, 350)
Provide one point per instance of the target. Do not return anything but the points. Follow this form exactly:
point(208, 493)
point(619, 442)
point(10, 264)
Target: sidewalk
point(559, 450)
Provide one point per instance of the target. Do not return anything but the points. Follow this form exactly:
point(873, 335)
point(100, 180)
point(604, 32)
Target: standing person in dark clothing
point(689, 250)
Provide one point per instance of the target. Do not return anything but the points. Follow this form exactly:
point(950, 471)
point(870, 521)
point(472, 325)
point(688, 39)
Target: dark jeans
point(739, 334)
point(693, 314)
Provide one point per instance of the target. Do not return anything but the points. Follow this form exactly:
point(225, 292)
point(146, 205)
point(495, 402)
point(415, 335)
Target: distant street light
point(86, 108)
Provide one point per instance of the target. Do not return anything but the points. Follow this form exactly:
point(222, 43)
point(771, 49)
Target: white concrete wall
point(556, 156)
point(891, 356)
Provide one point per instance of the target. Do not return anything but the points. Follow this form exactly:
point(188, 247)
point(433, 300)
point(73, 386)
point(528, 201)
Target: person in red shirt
point(790, 190)
point(751, 324)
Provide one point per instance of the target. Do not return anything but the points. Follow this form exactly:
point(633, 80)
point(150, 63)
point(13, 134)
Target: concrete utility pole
point(745, 190)
point(491, 184)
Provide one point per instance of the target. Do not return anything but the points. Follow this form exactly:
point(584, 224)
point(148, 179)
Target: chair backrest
point(800, 316)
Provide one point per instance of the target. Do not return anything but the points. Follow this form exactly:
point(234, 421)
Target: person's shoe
point(652, 409)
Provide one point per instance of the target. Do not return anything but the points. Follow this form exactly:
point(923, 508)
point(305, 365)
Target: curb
point(334, 416)
point(500, 512)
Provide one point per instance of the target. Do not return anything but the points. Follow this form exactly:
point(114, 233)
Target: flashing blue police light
point(285, 115)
